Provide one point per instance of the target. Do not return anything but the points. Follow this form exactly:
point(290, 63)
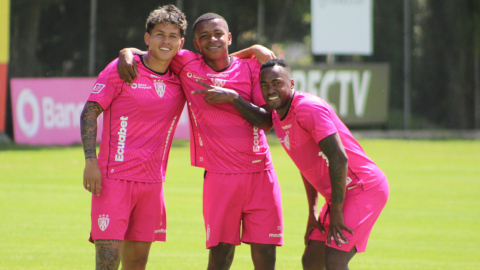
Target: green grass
point(430, 222)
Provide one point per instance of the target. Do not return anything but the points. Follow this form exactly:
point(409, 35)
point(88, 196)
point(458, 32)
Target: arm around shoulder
point(255, 51)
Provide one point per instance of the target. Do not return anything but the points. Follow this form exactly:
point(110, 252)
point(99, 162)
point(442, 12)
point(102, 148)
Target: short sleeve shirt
point(309, 120)
point(139, 122)
point(222, 140)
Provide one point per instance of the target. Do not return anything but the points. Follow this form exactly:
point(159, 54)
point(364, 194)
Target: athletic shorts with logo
point(249, 200)
point(129, 211)
point(360, 211)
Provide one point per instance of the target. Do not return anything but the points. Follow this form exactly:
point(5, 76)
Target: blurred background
point(428, 51)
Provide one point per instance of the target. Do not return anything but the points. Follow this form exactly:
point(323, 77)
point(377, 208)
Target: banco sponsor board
point(47, 111)
point(358, 93)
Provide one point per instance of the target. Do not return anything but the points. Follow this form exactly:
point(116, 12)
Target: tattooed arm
point(92, 177)
point(333, 149)
point(257, 116)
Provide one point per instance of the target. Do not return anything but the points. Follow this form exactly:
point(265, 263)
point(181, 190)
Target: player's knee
point(264, 256)
point(335, 263)
point(221, 256)
point(312, 260)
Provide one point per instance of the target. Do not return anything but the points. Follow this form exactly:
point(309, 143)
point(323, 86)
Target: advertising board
point(47, 111)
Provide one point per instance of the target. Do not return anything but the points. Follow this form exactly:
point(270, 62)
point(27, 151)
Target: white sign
point(342, 27)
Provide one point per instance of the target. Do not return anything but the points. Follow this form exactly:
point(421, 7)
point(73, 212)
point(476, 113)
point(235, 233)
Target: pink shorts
point(360, 211)
point(250, 199)
point(129, 211)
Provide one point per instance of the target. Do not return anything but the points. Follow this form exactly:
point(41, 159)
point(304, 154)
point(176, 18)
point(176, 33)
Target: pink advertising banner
point(47, 111)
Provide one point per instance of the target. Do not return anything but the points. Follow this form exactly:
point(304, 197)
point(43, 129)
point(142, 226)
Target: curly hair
point(168, 14)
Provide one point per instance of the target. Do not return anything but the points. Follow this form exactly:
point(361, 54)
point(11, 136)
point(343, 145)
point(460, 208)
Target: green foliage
point(430, 222)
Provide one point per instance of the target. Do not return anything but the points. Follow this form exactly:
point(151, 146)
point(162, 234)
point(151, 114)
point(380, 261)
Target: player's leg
point(314, 256)
point(135, 255)
point(109, 217)
point(263, 256)
point(223, 197)
point(221, 256)
point(108, 253)
point(147, 224)
point(262, 225)
point(338, 259)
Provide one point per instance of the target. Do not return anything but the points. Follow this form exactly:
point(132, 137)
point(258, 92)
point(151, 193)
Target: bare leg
point(263, 256)
point(135, 255)
point(221, 256)
point(314, 256)
point(338, 260)
point(108, 254)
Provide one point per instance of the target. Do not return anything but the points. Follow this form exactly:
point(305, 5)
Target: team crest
point(103, 222)
point(218, 82)
point(286, 141)
point(160, 88)
point(97, 88)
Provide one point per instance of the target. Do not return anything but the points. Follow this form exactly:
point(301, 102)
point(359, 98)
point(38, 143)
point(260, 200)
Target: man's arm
point(92, 177)
point(332, 148)
point(257, 116)
point(312, 198)
point(258, 51)
point(126, 66)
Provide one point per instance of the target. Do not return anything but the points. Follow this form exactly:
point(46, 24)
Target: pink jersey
point(138, 122)
point(222, 141)
point(309, 120)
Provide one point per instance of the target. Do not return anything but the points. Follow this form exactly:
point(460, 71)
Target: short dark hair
point(275, 62)
point(207, 17)
point(168, 14)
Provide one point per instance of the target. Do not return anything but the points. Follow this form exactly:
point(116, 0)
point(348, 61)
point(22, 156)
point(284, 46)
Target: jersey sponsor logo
point(160, 231)
point(275, 235)
point(286, 141)
point(218, 75)
point(141, 86)
point(287, 126)
point(191, 75)
point(208, 232)
point(160, 88)
point(122, 137)
point(256, 142)
point(321, 154)
point(168, 137)
point(349, 180)
point(154, 76)
point(339, 239)
point(103, 222)
point(218, 82)
point(97, 88)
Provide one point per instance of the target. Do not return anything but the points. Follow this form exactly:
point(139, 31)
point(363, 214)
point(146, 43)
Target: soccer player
point(332, 163)
point(128, 209)
point(227, 118)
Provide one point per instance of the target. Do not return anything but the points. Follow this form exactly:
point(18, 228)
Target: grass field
point(431, 221)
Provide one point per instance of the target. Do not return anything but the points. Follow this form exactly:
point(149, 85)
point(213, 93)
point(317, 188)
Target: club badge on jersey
point(103, 222)
point(160, 87)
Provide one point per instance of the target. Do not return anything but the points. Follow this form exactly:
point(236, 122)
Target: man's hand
point(92, 177)
point(337, 224)
point(262, 54)
point(127, 67)
point(215, 94)
point(312, 223)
